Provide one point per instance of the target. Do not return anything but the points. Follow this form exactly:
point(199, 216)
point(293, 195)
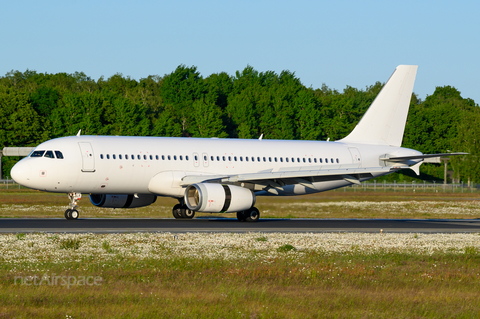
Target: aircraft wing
point(303, 176)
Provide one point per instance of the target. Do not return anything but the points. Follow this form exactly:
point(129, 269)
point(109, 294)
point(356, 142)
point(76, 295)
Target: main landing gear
point(182, 212)
point(250, 215)
point(72, 212)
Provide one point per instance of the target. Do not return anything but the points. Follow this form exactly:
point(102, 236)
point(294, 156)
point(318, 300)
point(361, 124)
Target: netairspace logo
point(54, 280)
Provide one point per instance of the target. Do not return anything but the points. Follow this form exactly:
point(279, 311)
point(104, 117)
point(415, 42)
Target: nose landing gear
point(72, 212)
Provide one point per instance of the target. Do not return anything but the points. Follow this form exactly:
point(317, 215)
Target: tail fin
point(384, 121)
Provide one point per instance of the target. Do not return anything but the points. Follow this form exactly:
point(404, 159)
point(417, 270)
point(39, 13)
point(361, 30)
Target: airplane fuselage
point(126, 165)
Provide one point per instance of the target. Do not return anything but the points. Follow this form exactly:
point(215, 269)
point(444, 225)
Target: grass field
point(240, 275)
point(252, 275)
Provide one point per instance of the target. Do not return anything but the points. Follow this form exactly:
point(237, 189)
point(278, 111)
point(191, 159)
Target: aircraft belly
point(297, 189)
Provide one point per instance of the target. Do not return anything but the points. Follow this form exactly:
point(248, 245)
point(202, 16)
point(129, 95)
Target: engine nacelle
point(215, 198)
point(121, 201)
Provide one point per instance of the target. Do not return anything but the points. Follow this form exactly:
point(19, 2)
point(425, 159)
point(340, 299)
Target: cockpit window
point(37, 154)
point(49, 154)
point(59, 154)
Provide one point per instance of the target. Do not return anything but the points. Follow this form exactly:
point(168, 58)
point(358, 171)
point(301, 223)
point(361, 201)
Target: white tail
point(384, 121)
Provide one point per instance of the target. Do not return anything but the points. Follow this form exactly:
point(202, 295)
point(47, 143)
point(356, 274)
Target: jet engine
point(214, 198)
point(122, 201)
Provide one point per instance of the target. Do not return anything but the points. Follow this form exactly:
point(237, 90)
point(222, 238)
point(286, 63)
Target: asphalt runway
point(97, 225)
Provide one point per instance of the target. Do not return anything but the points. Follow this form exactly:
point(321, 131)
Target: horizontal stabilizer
point(406, 158)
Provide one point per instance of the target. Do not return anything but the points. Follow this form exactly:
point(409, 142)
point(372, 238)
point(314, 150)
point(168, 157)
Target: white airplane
point(224, 175)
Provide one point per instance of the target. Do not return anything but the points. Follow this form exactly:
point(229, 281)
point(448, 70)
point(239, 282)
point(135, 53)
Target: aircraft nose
point(21, 173)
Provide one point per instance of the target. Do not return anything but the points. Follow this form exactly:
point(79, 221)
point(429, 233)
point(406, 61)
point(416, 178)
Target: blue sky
point(338, 43)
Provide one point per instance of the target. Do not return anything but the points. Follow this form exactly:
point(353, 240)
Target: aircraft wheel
point(177, 209)
point(241, 216)
point(252, 215)
point(74, 214)
point(187, 213)
point(71, 214)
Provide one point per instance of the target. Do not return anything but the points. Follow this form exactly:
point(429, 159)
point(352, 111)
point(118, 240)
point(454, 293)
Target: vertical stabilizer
point(384, 121)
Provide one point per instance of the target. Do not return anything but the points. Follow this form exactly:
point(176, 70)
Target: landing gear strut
point(72, 212)
point(250, 215)
point(182, 212)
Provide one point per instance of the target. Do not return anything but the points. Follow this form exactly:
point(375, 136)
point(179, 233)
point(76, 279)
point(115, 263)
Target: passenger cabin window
point(186, 157)
point(120, 156)
point(138, 156)
point(59, 154)
point(181, 157)
point(113, 156)
point(126, 156)
point(108, 156)
point(163, 157)
point(133, 157)
point(338, 161)
point(169, 158)
point(101, 156)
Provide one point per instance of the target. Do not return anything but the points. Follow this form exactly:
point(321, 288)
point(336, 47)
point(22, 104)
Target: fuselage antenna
point(78, 134)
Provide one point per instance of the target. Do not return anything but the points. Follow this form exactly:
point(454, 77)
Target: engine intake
point(121, 201)
point(215, 198)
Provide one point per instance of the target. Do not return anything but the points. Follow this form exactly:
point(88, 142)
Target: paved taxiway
point(96, 225)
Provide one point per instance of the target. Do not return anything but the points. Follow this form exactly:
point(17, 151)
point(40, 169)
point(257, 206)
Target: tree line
point(35, 107)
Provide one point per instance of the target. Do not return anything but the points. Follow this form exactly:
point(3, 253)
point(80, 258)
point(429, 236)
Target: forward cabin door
point(88, 160)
